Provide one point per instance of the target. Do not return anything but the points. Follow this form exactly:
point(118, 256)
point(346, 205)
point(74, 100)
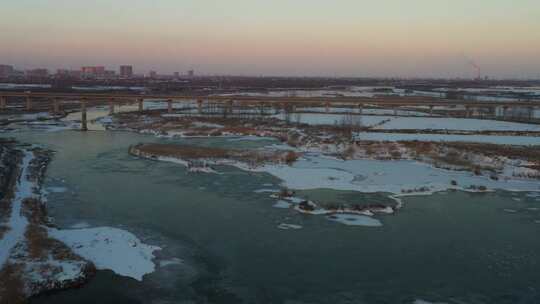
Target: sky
point(384, 38)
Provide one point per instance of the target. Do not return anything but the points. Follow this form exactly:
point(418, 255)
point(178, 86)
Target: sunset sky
point(413, 38)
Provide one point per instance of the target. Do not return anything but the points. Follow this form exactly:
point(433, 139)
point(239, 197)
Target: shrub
point(305, 205)
point(285, 193)
point(291, 157)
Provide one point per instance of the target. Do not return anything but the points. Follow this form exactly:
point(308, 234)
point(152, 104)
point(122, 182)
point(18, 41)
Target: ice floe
point(284, 226)
point(56, 189)
point(169, 262)
point(355, 220)
point(110, 248)
point(282, 204)
point(265, 190)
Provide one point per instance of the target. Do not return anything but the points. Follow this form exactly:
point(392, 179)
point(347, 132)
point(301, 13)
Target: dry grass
point(190, 153)
point(3, 230)
point(514, 152)
point(184, 152)
point(40, 246)
point(11, 284)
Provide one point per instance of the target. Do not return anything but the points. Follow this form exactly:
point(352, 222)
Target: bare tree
point(349, 124)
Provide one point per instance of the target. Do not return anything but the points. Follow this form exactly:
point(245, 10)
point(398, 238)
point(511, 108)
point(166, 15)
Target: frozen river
point(222, 241)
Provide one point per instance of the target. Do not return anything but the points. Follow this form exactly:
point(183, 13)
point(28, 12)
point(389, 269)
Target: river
point(221, 242)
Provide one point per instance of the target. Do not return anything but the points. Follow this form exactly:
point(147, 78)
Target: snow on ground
point(17, 222)
point(364, 111)
point(332, 119)
point(101, 88)
point(250, 138)
point(491, 139)
point(464, 124)
point(370, 176)
point(9, 86)
point(110, 248)
point(107, 248)
point(27, 116)
point(198, 124)
point(160, 104)
point(355, 220)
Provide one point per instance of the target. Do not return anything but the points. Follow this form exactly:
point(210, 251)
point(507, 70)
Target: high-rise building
point(65, 73)
point(126, 71)
point(93, 72)
point(6, 70)
point(152, 74)
point(37, 73)
point(176, 75)
point(191, 73)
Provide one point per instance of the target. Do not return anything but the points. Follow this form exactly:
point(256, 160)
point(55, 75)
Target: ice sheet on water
point(284, 226)
point(56, 189)
point(313, 172)
point(465, 124)
point(110, 248)
point(282, 204)
point(355, 220)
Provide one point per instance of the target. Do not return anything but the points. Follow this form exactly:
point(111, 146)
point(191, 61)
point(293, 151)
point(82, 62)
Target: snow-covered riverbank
point(35, 257)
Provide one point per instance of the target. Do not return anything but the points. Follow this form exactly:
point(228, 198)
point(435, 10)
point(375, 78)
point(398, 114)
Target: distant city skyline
point(98, 71)
point(417, 38)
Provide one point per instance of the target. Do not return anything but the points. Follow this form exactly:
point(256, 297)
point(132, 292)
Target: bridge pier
point(262, 108)
point(199, 105)
point(111, 106)
point(231, 105)
point(141, 104)
point(3, 102)
point(169, 106)
point(431, 110)
point(327, 107)
point(467, 112)
point(28, 103)
point(56, 106)
point(84, 126)
point(360, 108)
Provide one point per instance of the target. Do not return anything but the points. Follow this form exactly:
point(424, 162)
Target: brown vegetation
point(11, 284)
point(192, 153)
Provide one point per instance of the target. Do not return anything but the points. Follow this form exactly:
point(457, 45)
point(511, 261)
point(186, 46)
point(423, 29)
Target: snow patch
point(282, 204)
point(110, 248)
point(17, 222)
point(284, 226)
point(355, 220)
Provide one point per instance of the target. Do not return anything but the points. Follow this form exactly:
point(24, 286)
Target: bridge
point(85, 99)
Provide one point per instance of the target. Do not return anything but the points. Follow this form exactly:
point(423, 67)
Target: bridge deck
point(396, 101)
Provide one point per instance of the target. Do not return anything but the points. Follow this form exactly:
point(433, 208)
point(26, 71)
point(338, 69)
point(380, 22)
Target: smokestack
point(477, 68)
